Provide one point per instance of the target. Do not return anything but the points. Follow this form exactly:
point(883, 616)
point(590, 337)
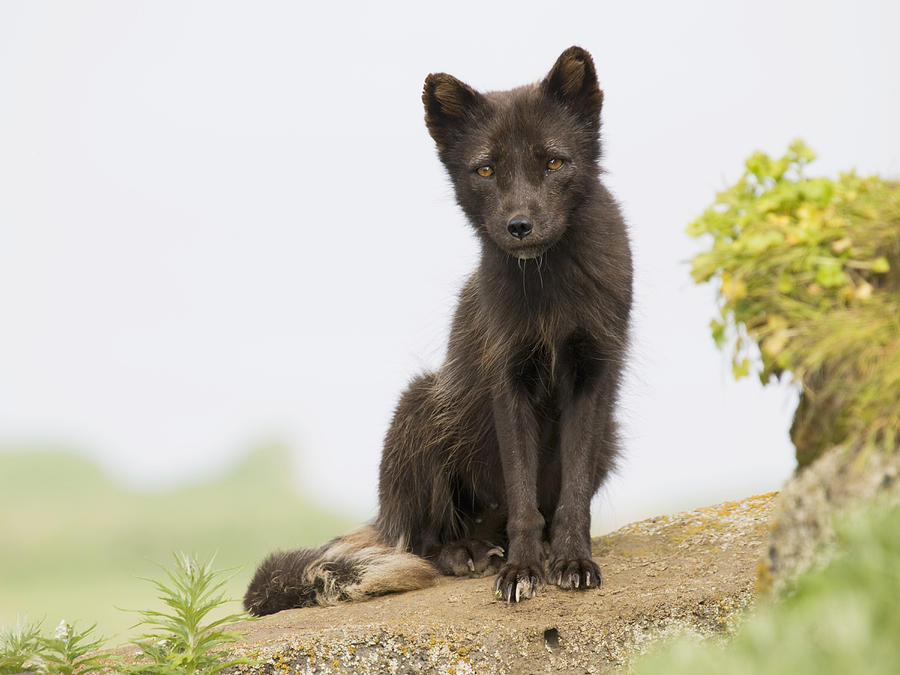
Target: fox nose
point(519, 226)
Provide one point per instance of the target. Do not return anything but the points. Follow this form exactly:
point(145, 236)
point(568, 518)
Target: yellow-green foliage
point(809, 283)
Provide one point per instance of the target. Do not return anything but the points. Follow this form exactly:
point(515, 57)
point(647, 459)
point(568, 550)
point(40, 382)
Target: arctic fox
point(491, 461)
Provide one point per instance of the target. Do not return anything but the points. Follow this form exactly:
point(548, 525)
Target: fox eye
point(485, 171)
point(554, 164)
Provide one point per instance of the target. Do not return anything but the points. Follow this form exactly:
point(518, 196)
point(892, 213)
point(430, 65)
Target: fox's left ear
point(573, 82)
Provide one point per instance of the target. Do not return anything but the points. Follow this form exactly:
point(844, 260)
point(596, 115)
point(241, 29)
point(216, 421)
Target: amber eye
point(554, 163)
point(484, 171)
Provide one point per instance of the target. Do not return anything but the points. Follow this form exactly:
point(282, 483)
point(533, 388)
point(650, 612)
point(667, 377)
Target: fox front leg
point(587, 450)
point(517, 434)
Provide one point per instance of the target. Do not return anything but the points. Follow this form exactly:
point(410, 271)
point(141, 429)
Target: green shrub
point(809, 284)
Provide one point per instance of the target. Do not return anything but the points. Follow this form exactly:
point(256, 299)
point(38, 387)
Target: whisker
point(522, 264)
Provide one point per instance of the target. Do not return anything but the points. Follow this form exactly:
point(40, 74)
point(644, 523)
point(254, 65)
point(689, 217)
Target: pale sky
point(224, 223)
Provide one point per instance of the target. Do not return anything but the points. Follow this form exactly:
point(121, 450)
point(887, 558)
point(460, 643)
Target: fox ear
point(448, 102)
point(573, 82)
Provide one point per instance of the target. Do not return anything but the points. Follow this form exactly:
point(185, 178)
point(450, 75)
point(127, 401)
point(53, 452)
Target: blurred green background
point(73, 543)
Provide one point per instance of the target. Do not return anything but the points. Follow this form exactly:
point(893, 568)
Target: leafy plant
point(20, 648)
point(809, 284)
point(180, 641)
point(70, 652)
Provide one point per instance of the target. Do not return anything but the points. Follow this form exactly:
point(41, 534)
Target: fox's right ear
point(448, 103)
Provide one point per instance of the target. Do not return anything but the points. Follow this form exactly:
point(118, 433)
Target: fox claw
point(516, 583)
point(468, 557)
point(575, 574)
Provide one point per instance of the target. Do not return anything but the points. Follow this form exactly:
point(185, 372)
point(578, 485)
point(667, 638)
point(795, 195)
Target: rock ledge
point(691, 571)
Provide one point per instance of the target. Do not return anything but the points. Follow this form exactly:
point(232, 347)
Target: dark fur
point(507, 442)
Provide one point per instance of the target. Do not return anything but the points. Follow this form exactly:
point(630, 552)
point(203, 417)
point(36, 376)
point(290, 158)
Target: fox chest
point(547, 369)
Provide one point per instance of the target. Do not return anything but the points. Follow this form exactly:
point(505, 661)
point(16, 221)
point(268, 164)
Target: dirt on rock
point(692, 572)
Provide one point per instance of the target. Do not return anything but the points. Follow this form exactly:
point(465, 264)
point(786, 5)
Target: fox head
point(523, 160)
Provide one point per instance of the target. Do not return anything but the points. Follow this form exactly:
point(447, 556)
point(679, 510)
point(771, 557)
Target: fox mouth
point(531, 249)
point(529, 252)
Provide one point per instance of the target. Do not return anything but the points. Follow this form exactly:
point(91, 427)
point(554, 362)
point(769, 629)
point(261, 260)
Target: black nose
point(519, 226)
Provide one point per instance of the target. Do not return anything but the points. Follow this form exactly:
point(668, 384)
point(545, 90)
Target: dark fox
point(491, 461)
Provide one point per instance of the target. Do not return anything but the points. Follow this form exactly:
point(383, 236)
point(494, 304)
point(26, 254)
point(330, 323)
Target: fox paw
point(579, 573)
point(468, 557)
point(518, 582)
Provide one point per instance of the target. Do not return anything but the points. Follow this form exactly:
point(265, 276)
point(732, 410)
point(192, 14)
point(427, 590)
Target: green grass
point(842, 620)
point(73, 543)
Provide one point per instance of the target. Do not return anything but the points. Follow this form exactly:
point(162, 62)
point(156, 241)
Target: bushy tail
point(356, 566)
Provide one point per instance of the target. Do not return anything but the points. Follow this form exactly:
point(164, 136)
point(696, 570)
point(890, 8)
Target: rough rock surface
point(802, 531)
point(691, 572)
